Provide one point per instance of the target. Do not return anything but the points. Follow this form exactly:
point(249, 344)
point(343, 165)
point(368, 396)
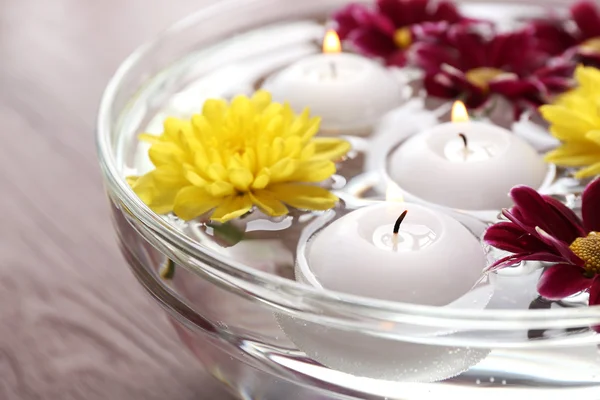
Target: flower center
point(481, 77)
point(588, 249)
point(403, 38)
point(592, 45)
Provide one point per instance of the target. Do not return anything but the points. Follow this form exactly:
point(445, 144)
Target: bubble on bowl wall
point(378, 358)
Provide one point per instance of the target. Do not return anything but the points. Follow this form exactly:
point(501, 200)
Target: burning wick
point(397, 229)
point(464, 139)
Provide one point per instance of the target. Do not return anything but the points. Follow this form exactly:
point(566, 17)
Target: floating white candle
point(349, 92)
point(466, 165)
point(433, 260)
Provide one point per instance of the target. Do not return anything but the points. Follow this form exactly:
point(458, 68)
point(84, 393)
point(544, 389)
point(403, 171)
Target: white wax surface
point(347, 91)
point(434, 166)
point(436, 260)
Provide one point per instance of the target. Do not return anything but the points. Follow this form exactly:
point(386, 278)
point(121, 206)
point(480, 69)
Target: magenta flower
point(389, 29)
point(581, 42)
point(543, 229)
point(475, 63)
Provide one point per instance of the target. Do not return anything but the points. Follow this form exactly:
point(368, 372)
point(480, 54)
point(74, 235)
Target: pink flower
point(474, 63)
point(581, 42)
point(388, 30)
point(543, 229)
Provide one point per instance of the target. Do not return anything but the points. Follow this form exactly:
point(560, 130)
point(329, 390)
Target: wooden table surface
point(73, 322)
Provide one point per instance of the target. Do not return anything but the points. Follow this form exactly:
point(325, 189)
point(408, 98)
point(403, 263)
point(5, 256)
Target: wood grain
point(73, 322)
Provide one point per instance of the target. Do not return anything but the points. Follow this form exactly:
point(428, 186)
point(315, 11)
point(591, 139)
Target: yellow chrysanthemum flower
point(575, 120)
point(251, 152)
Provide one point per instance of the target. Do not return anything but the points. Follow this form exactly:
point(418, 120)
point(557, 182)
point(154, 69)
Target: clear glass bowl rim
point(283, 295)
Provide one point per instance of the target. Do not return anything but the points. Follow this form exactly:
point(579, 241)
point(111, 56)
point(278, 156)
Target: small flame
point(331, 43)
point(393, 193)
point(459, 112)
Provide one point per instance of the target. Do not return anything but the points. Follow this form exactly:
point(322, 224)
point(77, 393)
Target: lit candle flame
point(393, 193)
point(459, 112)
point(331, 43)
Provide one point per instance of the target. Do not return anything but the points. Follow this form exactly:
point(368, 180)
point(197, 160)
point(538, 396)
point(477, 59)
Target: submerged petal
point(562, 280)
point(304, 197)
point(509, 237)
point(192, 202)
point(268, 203)
point(331, 148)
point(590, 204)
point(232, 207)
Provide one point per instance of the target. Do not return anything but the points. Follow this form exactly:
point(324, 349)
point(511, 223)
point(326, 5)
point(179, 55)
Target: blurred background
point(73, 324)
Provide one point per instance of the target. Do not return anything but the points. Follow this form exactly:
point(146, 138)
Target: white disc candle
point(434, 260)
point(349, 92)
point(466, 165)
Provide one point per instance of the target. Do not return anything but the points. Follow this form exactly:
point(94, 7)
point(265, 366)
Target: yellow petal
point(169, 175)
point(571, 120)
point(268, 203)
point(194, 178)
point(192, 202)
point(241, 179)
point(588, 77)
point(220, 189)
point(144, 188)
point(594, 136)
point(131, 180)
point(331, 148)
point(261, 99)
point(214, 111)
point(232, 207)
point(588, 172)
point(166, 153)
point(312, 129)
point(574, 154)
point(283, 169)
point(313, 171)
point(216, 172)
point(262, 179)
point(304, 197)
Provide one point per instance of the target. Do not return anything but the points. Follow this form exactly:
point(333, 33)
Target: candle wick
point(399, 222)
point(333, 69)
point(464, 139)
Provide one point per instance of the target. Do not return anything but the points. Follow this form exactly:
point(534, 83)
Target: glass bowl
point(259, 332)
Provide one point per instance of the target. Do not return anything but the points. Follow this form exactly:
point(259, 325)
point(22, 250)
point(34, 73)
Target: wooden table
point(73, 322)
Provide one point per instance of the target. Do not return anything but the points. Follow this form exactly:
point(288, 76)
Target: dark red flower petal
point(574, 227)
point(586, 16)
point(516, 259)
point(446, 11)
point(590, 206)
point(509, 237)
point(536, 212)
point(594, 290)
point(562, 280)
point(588, 58)
point(372, 42)
point(350, 18)
point(561, 247)
point(552, 37)
point(514, 88)
point(399, 58)
point(402, 12)
point(439, 85)
point(557, 84)
point(470, 46)
point(431, 57)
